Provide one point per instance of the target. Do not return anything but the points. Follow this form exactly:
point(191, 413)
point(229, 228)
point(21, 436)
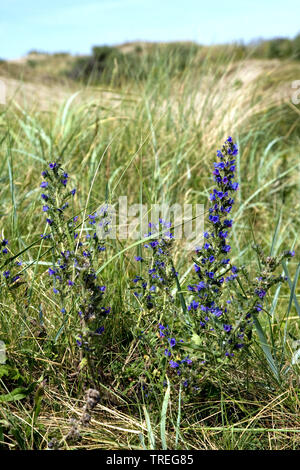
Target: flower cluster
point(76, 254)
point(173, 353)
point(213, 270)
point(10, 267)
point(160, 268)
point(221, 307)
point(55, 198)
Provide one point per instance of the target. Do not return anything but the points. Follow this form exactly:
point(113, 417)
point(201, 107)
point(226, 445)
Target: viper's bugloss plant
point(224, 298)
point(76, 254)
point(11, 271)
point(221, 301)
point(154, 287)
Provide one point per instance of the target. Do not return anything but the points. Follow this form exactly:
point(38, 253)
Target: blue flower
point(174, 364)
point(226, 248)
point(100, 330)
point(227, 328)
point(260, 292)
point(193, 305)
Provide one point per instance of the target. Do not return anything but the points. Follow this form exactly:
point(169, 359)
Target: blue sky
point(77, 25)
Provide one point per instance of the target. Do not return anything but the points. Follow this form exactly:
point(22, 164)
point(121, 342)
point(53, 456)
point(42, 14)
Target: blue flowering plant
point(155, 302)
point(210, 323)
point(153, 286)
point(10, 266)
point(223, 298)
point(77, 253)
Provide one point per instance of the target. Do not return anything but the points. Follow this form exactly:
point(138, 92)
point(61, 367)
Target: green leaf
point(17, 394)
point(292, 286)
point(164, 416)
point(149, 429)
point(266, 349)
point(196, 340)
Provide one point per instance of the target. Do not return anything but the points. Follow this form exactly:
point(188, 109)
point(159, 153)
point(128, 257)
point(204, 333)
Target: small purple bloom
point(174, 364)
point(227, 328)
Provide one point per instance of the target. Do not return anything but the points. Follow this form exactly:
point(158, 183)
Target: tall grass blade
point(163, 416)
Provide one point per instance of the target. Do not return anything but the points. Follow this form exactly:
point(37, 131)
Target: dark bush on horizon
point(110, 65)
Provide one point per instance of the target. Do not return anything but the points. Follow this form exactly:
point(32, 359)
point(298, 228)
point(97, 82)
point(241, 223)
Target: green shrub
point(296, 47)
point(279, 48)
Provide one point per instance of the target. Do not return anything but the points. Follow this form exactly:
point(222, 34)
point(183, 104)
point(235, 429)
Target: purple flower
point(193, 305)
point(174, 364)
point(227, 328)
point(200, 286)
point(214, 218)
point(105, 310)
point(197, 268)
point(100, 330)
point(228, 223)
point(260, 292)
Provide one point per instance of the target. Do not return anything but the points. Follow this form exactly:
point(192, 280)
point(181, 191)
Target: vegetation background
point(145, 120)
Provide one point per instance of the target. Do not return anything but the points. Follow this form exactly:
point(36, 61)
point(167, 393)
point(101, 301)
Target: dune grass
point(153, 140)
